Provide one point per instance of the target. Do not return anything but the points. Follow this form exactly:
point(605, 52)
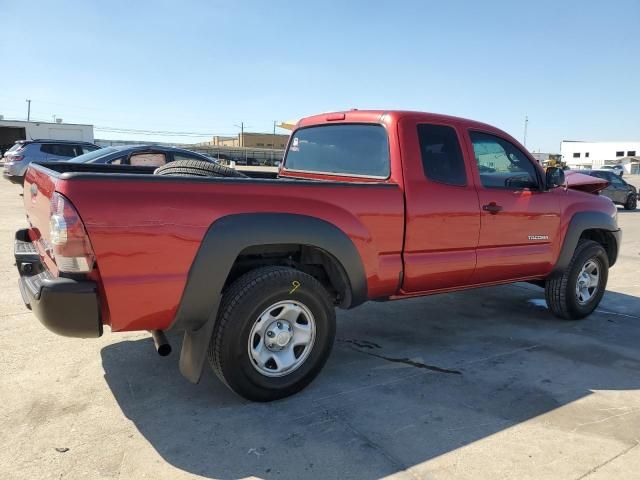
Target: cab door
point(519, 220)
point(442, 210)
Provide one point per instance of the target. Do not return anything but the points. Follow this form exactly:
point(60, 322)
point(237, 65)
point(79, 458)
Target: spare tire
point(198, 168)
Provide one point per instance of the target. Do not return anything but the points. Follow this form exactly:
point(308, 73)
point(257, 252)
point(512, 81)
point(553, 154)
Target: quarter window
point(442, 159)
point(501, 164)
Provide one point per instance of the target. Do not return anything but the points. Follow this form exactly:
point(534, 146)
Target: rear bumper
point(65, 306)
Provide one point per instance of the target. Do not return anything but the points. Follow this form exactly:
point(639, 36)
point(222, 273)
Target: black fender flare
point(580, 222)
point(221, 245)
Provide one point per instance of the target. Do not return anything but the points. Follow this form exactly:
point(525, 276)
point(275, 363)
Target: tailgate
point(39, 185)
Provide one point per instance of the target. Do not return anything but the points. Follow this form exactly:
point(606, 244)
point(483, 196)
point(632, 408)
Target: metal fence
point(241, 156)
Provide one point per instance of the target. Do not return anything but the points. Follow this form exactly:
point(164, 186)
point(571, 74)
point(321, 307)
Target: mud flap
point(193, 354)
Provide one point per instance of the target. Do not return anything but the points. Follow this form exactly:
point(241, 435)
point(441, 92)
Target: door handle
point(492, 208)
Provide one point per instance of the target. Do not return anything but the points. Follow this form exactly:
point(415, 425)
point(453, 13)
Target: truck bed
point(146, 230)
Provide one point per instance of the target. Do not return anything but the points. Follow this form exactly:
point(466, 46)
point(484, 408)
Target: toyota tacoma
point(367, 205)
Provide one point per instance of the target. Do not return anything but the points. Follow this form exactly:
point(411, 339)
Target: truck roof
point(376, 116)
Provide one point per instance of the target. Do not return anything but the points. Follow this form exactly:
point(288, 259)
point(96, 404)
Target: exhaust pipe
point(163, 347)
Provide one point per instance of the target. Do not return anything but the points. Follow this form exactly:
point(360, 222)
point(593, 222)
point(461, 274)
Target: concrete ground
point(479, 384)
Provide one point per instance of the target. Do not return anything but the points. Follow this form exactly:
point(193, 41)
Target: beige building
point(251, 140)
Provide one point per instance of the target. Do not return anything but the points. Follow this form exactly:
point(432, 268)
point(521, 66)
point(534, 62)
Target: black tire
point(632, 202)
point(560, 290)
point(242, 304)
point(198, 168)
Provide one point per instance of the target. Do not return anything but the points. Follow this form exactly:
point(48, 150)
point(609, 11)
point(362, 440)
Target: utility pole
point(28, 110)
point(274, 142)
point(526, 123)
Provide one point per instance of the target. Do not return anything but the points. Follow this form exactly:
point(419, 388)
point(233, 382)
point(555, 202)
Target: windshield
point(88, 157)
point(346, 149)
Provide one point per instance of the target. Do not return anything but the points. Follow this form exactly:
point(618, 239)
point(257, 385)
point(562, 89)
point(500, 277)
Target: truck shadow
point(407, 382)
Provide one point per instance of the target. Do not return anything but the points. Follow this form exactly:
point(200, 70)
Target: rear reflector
point(72, 251)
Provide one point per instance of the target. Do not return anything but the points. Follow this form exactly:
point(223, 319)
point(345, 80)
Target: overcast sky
point(203, 67)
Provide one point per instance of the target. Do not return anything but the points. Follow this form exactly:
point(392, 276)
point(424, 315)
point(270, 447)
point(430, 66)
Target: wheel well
point(604, 238)
point(314, 261)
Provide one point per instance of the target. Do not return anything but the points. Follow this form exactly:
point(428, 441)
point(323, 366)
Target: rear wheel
point(632, 202)
point(578, 290)
point(274, 332)
point(198, 168)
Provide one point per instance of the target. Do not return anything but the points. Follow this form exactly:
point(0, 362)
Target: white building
point(577, 154)
point(12, 130)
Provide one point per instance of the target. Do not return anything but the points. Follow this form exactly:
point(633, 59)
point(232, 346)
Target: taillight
point(72, 251)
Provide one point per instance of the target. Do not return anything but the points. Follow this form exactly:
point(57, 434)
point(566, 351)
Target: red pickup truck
point(367, 205)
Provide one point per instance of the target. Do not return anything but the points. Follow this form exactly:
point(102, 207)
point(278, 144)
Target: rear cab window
point(353, 150)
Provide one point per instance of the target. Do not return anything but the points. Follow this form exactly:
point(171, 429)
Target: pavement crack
point(606, 462)
point(360, 343)
point(396, 462)
point(413, 363)
point(605, 419)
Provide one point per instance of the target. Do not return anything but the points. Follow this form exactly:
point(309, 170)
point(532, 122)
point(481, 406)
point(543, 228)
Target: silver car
point(17, 158)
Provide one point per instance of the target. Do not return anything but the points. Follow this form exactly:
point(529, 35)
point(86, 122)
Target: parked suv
point(17, 158)
point(619, 191)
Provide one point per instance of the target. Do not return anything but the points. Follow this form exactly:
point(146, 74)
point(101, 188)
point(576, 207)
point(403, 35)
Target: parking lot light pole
point(28, 110)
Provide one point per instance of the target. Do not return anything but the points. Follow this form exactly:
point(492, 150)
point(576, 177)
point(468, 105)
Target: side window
point(501, 164)
point(58, 150)
point(613, 178)
point(147, 159)
point(116, 161)
point(442, 159)
point(88, 148)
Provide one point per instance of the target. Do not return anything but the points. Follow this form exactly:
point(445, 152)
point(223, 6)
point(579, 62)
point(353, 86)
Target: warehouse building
point(251, 140)
point(579, 154)
point(12, 130)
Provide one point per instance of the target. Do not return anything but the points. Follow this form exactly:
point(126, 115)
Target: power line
point(157, 132)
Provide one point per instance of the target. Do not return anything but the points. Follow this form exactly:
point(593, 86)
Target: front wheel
point(578, 290)
point(632, 202)
point(274, 332)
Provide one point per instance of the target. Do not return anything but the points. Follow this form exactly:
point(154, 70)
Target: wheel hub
point(588, 281)
point(278, 336)
point(282, 338)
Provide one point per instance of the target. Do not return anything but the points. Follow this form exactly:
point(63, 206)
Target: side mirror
point(554, 177)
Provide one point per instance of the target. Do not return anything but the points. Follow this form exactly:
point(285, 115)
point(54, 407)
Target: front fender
point(580, 222)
